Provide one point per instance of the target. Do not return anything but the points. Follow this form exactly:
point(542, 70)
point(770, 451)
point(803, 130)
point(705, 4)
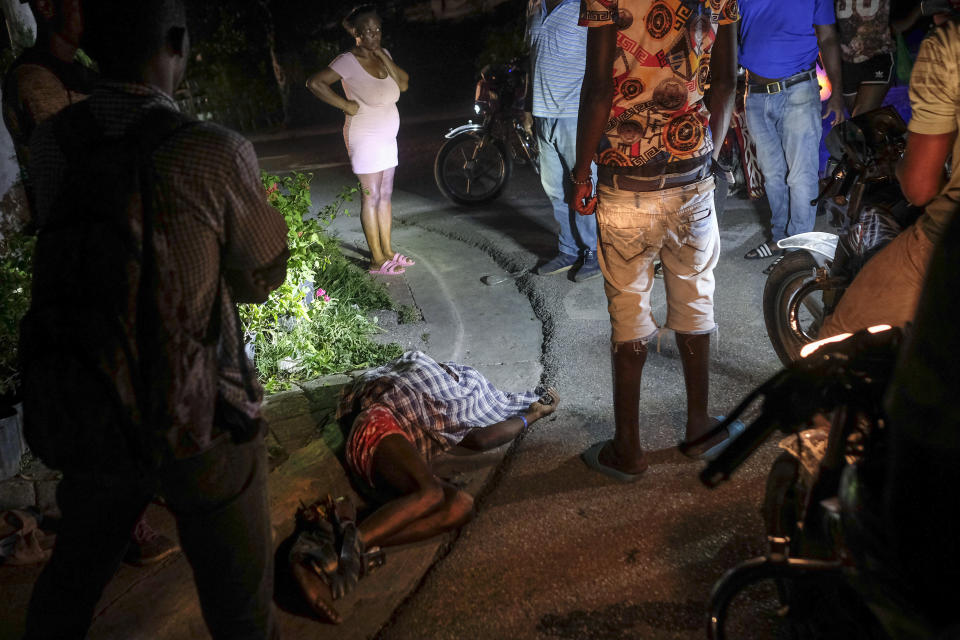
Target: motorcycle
point(868, 208)
point(474, 164)
point(826, 538)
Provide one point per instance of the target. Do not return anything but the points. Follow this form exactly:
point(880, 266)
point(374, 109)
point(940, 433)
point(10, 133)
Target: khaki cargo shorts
point(680, 226)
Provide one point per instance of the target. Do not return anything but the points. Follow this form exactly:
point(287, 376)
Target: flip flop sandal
point(762, 250)
point(388, 268)
point(591, 457)
point(773, 265)
point(734, 429)
point(402, 260)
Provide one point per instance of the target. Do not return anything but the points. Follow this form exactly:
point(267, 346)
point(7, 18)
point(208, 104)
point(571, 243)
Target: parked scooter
point(827, 549)
point(870, 210)
point(474, 164)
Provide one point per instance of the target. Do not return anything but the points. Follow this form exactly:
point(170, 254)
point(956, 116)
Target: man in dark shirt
point(219, 242)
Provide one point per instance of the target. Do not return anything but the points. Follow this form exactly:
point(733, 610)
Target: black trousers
point(219, 499)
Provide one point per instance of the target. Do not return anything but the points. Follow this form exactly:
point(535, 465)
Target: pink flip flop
point(388, 268)
point(402, 260)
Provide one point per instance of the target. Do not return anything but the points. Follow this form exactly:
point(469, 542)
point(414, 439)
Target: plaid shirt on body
point(211, 214)
point(436, 404)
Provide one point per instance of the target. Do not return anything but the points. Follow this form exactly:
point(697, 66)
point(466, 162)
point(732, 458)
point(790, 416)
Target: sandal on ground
point(762, 250)
point(402, 260)
point(734, 429)
point(773, 265)
point(591, 457)
point(388, 268)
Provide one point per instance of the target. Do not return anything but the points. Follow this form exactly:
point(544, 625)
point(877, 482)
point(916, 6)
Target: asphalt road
point(557, 551)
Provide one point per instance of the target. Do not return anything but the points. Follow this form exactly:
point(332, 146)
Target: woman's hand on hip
point(352, 108)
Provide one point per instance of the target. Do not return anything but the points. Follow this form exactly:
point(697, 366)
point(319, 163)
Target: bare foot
point(707, 444)
point(610, 458)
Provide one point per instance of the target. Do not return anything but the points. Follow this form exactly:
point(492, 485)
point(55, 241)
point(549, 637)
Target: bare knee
point(429, 498)
point(458, 508)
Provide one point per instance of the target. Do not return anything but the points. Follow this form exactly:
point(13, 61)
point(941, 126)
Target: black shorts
point(875, 70)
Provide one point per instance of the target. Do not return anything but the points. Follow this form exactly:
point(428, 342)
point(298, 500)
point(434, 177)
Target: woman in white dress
point(372, 83)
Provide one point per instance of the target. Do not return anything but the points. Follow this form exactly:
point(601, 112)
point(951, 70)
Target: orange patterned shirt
point(660, 73)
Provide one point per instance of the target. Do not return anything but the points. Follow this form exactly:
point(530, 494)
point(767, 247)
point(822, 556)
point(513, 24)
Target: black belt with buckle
point(782, 84)
point(616, 178)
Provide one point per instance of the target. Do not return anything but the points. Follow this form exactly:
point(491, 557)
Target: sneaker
point(147, 546)
point(562, 262)
point(590, 268)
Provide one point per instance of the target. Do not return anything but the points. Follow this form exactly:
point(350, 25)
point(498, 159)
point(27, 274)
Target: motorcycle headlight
point(476, 108)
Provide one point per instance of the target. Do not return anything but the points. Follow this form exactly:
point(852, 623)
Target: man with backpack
point(41, 82)
point(151, 227)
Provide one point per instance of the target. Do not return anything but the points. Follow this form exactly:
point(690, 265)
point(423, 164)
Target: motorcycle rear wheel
point(472, 168)
point(789, 335)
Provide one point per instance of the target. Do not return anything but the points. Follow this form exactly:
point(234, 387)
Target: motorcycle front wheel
point(793, 316)
point(472, 168)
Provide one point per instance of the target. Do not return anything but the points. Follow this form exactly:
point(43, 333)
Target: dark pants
point(219, 499)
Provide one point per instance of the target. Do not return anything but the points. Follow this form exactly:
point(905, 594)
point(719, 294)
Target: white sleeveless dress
point(371, 134)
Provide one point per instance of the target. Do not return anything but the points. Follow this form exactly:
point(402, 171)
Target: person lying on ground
point(400, 416)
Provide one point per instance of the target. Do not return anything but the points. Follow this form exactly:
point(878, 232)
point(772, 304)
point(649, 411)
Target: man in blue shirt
point(557, 59)
point(779, 42)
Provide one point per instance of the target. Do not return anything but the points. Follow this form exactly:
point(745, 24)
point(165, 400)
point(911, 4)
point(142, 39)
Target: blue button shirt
point(558, 54)
point(777, 38)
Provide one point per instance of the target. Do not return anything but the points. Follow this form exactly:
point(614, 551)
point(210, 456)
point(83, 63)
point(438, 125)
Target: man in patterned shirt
point(654, 141)
point(399, 416)
point(216, 241)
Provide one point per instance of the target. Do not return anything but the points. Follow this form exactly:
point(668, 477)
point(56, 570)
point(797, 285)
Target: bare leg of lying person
point(429, 506)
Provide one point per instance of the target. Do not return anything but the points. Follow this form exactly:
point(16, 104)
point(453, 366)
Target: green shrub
point(16, 255)
point(298, 339)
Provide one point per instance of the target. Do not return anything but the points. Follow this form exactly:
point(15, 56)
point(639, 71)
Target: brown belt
point(609, 177)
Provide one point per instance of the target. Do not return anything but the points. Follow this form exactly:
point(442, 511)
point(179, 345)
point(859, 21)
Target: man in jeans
point(648, 129)
point(215, 242)
point(778, 48)
point(557, 54)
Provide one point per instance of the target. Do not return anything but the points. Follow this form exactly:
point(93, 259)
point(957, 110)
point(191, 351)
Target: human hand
point(835, 108)
point(584, 202)
point(527, 122)
point(352, 108)
point(540, 409)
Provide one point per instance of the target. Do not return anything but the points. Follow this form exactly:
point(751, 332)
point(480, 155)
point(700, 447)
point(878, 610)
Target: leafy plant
point(16, 255)
point(315, 323)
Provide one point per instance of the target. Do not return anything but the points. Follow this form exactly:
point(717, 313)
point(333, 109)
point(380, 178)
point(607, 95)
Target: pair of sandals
point(323, 572)
point(766, 250)
point(394, 266)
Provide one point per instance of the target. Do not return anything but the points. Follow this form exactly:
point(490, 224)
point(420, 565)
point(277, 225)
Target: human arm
point(933, 126)
point(723, 83)
point(321, 83)
point(596, 96)
point(254, 239)
point(399, 75)
point(486, 438)
point(829, 42)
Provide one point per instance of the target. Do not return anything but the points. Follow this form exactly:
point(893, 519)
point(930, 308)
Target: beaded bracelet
point(574, 180)
point(526, 424)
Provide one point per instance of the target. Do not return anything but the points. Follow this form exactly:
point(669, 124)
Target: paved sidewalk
point(461, 321)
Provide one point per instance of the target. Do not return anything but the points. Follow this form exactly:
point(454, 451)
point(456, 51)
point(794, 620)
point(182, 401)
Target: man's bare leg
point(426, 509)
point(623, 453)
point(869, 97)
